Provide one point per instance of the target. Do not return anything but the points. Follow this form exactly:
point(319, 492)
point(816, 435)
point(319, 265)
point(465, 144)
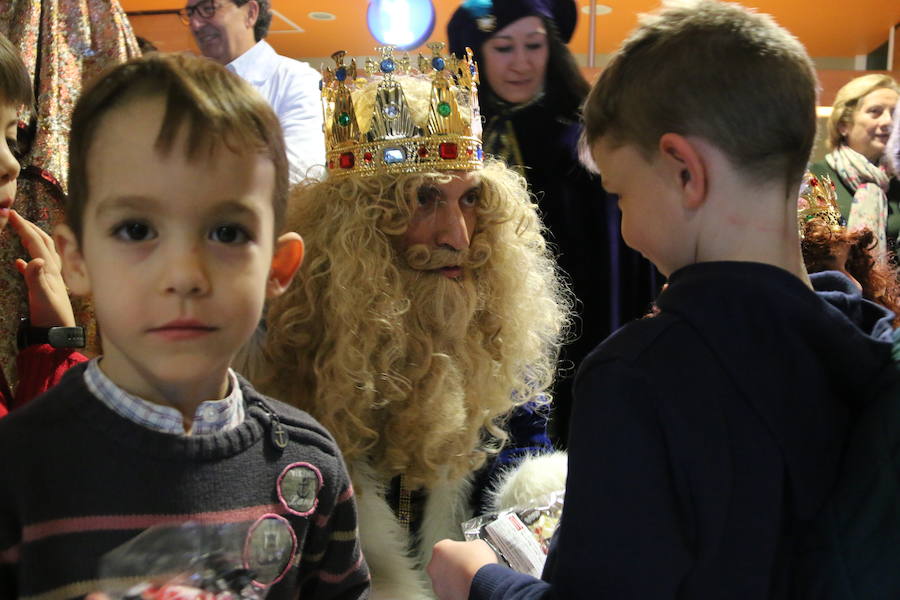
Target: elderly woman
point(530, 93)
point(858, 131)
point(892, 152)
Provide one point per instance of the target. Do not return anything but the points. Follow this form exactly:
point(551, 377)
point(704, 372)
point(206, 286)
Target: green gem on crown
point(343, 119)
point(444, 109)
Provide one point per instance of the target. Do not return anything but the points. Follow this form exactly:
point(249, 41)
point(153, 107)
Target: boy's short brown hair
point(15, 83)
point(714, 70)
point(218, 107)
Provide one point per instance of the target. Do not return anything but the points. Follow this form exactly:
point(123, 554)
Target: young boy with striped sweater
point(178, 189)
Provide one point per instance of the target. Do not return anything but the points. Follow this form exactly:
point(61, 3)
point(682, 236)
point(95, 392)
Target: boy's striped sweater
point(78, 481)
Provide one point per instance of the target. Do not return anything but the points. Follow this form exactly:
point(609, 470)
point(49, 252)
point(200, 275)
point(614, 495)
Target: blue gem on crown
point(394, 155)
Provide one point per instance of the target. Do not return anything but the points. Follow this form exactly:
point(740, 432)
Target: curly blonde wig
point(371, 348)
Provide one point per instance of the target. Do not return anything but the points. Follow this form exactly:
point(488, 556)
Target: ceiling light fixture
point(600, 9)
point(405, 24)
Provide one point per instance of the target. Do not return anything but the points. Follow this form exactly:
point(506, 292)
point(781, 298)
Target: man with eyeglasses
point(231, 32)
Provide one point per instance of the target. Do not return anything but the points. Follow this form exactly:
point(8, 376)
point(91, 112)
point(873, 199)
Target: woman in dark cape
point(536, 128)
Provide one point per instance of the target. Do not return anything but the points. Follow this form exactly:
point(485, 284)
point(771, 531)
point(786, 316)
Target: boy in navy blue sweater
point(704, 438)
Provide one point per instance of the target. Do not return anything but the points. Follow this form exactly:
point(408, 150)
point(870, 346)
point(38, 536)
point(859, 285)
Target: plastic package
point(191, 561)
point(520, 536)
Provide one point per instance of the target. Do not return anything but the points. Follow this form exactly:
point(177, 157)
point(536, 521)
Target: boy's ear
point(73, 266)
point(686, 167)
point(285, 263)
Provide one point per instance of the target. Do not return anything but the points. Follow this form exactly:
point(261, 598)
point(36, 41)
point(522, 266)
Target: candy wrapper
point(191, 561)
point(520, 536)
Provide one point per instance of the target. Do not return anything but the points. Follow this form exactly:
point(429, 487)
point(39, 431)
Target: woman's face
point(870, 127)
point(514, 60)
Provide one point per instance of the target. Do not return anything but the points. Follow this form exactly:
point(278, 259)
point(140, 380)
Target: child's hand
point(48, 300)
point(453, 566)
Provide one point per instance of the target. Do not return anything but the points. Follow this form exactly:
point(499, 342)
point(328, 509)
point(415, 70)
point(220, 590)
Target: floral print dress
point(64, 44)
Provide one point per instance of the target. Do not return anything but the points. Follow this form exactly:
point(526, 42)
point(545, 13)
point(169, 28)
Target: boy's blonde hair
point(15, 83)
point(846, 103)
point(218, 108)
point(714, 70)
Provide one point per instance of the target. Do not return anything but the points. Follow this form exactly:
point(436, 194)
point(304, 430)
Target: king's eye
point(472, 198)
point(427, 194)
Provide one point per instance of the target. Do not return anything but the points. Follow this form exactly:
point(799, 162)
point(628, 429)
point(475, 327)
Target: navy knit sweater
point(705, 439)
point(78, 480)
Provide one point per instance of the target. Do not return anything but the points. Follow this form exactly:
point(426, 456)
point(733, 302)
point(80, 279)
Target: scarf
point(869, 183)
point(500, 136)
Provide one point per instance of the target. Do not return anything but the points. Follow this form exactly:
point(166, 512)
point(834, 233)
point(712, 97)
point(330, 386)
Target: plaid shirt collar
point(212, 416)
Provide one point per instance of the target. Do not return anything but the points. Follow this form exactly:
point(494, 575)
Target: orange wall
point(170, 35)
point(828, 28)
point(830, 80)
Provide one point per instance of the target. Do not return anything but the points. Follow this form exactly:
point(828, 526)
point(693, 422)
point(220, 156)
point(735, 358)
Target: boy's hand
point(48, 300)
point(453, 566)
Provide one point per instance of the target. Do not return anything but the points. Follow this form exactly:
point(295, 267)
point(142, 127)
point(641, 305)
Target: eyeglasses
point(206, 10)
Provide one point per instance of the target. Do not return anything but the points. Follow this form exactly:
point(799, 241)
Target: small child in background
point(47, 338)
point(178, 187)
point(829, 246)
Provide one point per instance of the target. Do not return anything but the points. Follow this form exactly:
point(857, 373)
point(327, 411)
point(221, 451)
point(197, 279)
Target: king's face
point(444, 216)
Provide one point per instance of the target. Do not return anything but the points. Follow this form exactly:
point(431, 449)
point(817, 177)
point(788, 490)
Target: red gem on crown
point(448, 150)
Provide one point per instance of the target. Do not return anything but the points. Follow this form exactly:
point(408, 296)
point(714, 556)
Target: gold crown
point(818, 200)
point(400, 119)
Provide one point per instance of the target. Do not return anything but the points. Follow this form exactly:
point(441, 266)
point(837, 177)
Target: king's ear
point(686, 166)
point(74, 268)
point(285, 263)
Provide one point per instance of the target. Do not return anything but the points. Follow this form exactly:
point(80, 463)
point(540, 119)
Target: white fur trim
point(448, 505)
point(385, 542)
point(536, 476)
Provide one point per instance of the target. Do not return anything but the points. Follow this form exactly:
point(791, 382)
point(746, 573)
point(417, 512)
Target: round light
point(405, 24)
point(321, 16)
point(599, 9)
